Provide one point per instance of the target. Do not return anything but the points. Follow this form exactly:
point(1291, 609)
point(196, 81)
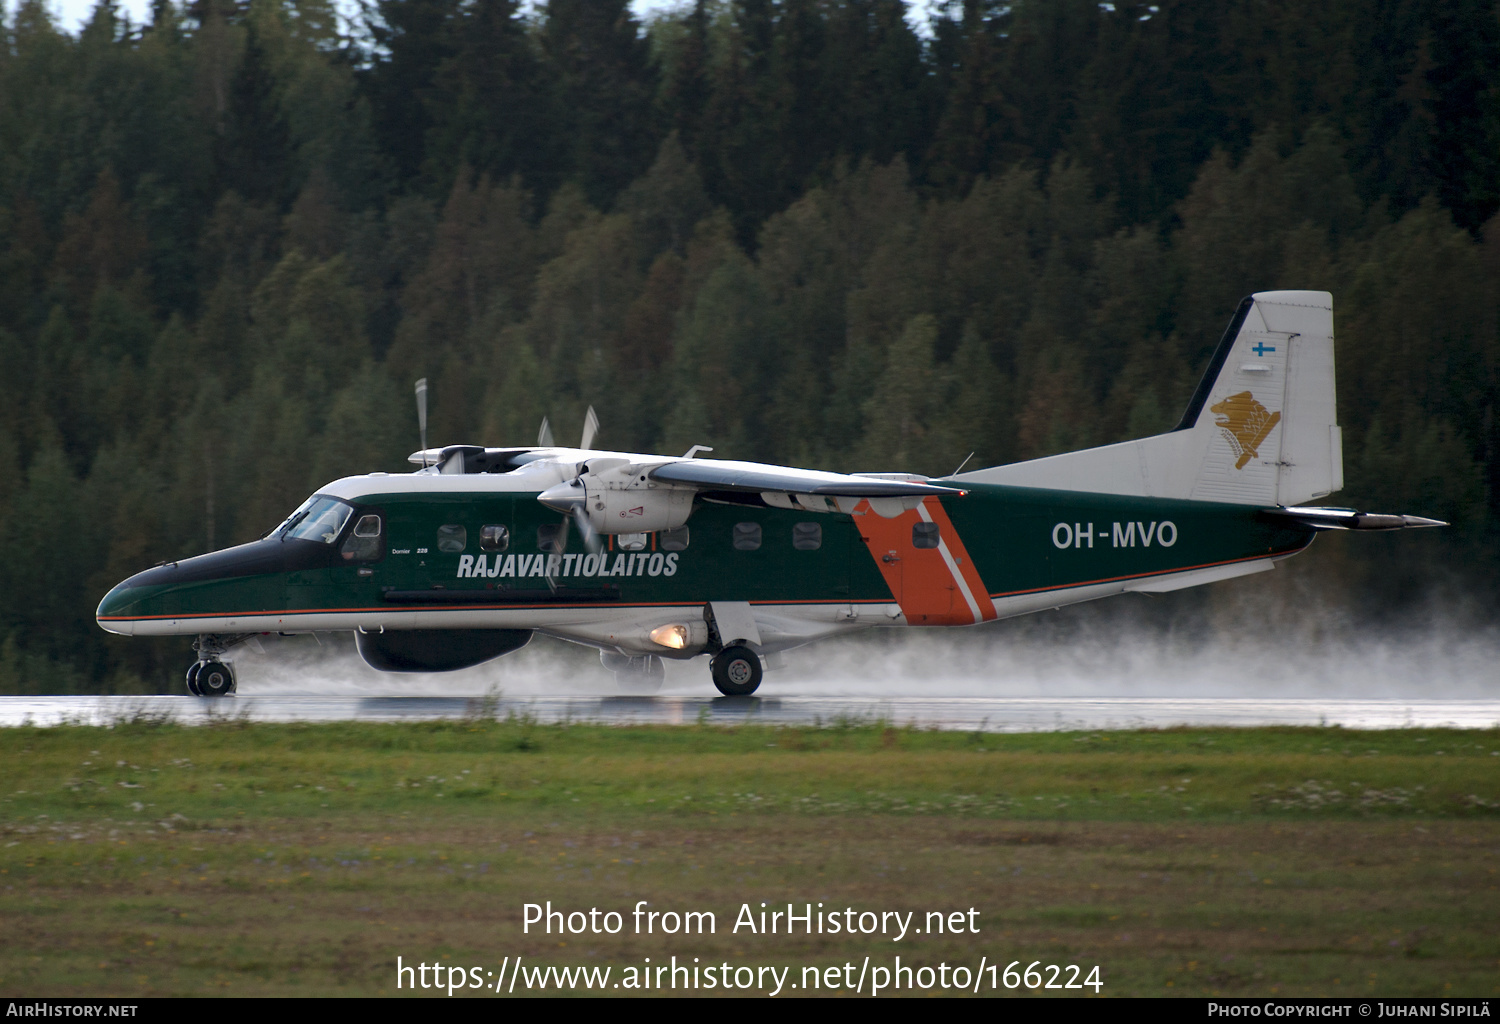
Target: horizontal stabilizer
point(1349, 519)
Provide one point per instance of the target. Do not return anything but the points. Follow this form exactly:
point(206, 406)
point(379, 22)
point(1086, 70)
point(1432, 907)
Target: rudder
point(1266, 405)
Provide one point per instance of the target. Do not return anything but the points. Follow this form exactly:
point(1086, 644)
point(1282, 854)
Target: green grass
point(303, 859)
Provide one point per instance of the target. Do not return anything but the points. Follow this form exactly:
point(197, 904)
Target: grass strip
point(149, 858)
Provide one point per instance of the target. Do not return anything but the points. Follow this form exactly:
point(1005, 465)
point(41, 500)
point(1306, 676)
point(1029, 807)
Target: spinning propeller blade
point(591, 539)
point(580, 516)
point(422, 413)
point(574, 509)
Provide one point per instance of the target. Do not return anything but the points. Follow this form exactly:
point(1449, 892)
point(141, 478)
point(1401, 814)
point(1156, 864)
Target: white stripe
point(546, 617)
point(958, 576)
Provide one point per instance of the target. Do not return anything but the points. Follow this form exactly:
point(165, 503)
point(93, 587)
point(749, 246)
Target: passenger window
point(452, 539)
point(746, 536)
point(364, 543)
point(807, 536)
point(493, 538)
point(674, 540)
point(633, 541)
point(550, 538)
point(924, 535)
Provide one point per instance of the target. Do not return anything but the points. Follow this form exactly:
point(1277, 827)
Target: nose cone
point(248, 579)
point(564, 497)
point(117, 609)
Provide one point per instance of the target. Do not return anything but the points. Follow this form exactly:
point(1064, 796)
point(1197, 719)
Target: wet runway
point(988, 714)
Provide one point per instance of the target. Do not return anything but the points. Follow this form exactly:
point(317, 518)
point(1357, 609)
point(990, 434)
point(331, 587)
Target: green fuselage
point(1022, 543)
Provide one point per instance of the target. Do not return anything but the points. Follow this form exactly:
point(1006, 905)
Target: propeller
point(586, 532)
point(422, 416)
point(573, 507)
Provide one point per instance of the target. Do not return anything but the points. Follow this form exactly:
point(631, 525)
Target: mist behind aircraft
point(1047, 656)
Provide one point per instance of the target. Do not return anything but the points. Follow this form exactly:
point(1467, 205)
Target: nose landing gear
point(209, 676)
point(210, 679)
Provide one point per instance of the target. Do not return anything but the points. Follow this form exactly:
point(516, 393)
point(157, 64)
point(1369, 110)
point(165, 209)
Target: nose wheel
point(736, 671)
point(210, 679)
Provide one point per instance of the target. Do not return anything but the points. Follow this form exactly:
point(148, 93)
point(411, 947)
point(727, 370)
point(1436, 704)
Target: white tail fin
point(1261, 428)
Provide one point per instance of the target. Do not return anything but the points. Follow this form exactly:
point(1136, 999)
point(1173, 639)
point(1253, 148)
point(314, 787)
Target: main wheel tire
point(192, 678)
point(736, 671)
point(215, 679)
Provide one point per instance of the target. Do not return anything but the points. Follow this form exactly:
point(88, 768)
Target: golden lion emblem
point(1246, 423)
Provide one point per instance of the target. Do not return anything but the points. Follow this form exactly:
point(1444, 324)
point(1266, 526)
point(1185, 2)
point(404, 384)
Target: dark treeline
point(798, 231)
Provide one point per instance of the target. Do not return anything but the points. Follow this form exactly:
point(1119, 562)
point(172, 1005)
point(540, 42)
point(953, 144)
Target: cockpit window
point(320, 519)
point(363, 544)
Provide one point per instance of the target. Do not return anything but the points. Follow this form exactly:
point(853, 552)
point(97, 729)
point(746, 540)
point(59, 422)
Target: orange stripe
point(960, 554)
point(920, 579)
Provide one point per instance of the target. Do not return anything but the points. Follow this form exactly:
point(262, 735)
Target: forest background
point(798, 231)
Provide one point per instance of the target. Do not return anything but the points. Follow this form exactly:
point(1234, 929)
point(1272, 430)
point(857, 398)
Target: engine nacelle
point(643, 510)
point(617, 497)
point(436, 650)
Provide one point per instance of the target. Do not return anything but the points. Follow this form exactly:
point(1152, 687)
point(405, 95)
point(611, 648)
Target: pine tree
point(254, 155)
point(413, 40)
point(898, 412)
point(605, 88)
point(492, 103)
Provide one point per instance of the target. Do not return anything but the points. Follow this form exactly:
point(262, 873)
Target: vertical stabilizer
point(1261, 428)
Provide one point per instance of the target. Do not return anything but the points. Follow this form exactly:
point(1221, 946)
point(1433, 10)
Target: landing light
point(674, 636)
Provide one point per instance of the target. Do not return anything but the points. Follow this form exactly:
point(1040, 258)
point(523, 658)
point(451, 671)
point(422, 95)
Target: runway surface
point(988, 714)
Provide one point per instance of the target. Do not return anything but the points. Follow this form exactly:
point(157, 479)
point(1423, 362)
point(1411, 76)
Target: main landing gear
point(737, 671)
point(210, 676)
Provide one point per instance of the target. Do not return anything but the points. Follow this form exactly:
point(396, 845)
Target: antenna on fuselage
point(422, 416)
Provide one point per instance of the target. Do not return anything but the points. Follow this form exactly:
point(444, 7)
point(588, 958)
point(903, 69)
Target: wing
point(616, 494)
point(719, 475)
